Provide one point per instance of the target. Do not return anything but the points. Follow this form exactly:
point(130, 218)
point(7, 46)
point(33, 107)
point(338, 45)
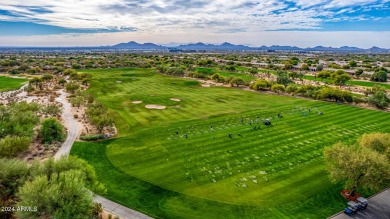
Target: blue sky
point(305, 22)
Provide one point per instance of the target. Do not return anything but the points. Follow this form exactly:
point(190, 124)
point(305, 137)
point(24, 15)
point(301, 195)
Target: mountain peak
point(226, 46)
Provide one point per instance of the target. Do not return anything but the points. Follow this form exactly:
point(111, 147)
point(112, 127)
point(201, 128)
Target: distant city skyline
point(303, 23)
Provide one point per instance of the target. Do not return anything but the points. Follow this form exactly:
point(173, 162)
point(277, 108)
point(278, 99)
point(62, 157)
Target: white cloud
point(183, 15)
point(191, 20)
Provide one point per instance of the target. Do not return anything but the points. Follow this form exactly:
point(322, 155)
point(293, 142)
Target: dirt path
point(74, 128)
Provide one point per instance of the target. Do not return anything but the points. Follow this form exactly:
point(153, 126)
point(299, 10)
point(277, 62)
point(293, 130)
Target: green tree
point(101, 121)
point(283, 78)
point(379, 142)
point(253, 71)
point(357, 167)
point(320, 67)
point(52, 131)
point(24, 68)
point(324, 74)
point(230, 68)
point(339, 77)
point(379, 76)
point(353, 63)
point(379, 99)
point(359, 72)
point(305, 67)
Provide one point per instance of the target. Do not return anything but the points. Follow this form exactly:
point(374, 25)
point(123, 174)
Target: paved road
point(378, 208)
point(73, 128)
point(119, 210)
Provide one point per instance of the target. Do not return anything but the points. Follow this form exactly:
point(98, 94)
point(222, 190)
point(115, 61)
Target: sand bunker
point(136, 102)
point(175, 99)
point(152, 106)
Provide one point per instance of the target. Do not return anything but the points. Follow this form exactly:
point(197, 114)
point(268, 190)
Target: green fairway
point(180, 162)
point(369, 84)
point(7, 83)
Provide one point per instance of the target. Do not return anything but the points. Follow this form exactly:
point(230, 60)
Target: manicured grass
point(7, 83)
point(270, 172)
point(369, 84)
point(311, 78)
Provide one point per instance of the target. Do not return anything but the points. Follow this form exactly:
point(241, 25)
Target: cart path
point(73, 127)
point(378, 208)
point(71, 124)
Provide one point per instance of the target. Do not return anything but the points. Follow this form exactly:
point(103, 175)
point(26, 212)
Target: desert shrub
point(328, 93)
point(59, 189)
point(18, 119)
point(13, 173)
point(92, 137)
point(236, 81)
point(72, 86)
point(69, 71)
point(261, 85)
point(307, 90)
point(52, 110)
point(292, 88)
point(379, 99)
point(357, 99)
point(278, 88)
point(52, 131)
point(11, 146)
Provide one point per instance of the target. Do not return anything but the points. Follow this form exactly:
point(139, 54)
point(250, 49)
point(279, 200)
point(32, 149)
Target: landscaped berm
point(210, 155)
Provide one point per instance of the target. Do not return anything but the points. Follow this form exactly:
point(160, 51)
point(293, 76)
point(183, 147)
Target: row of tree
point(315, 92)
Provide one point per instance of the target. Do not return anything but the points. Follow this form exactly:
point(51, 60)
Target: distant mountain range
point(232, 47)
point(200, 47)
